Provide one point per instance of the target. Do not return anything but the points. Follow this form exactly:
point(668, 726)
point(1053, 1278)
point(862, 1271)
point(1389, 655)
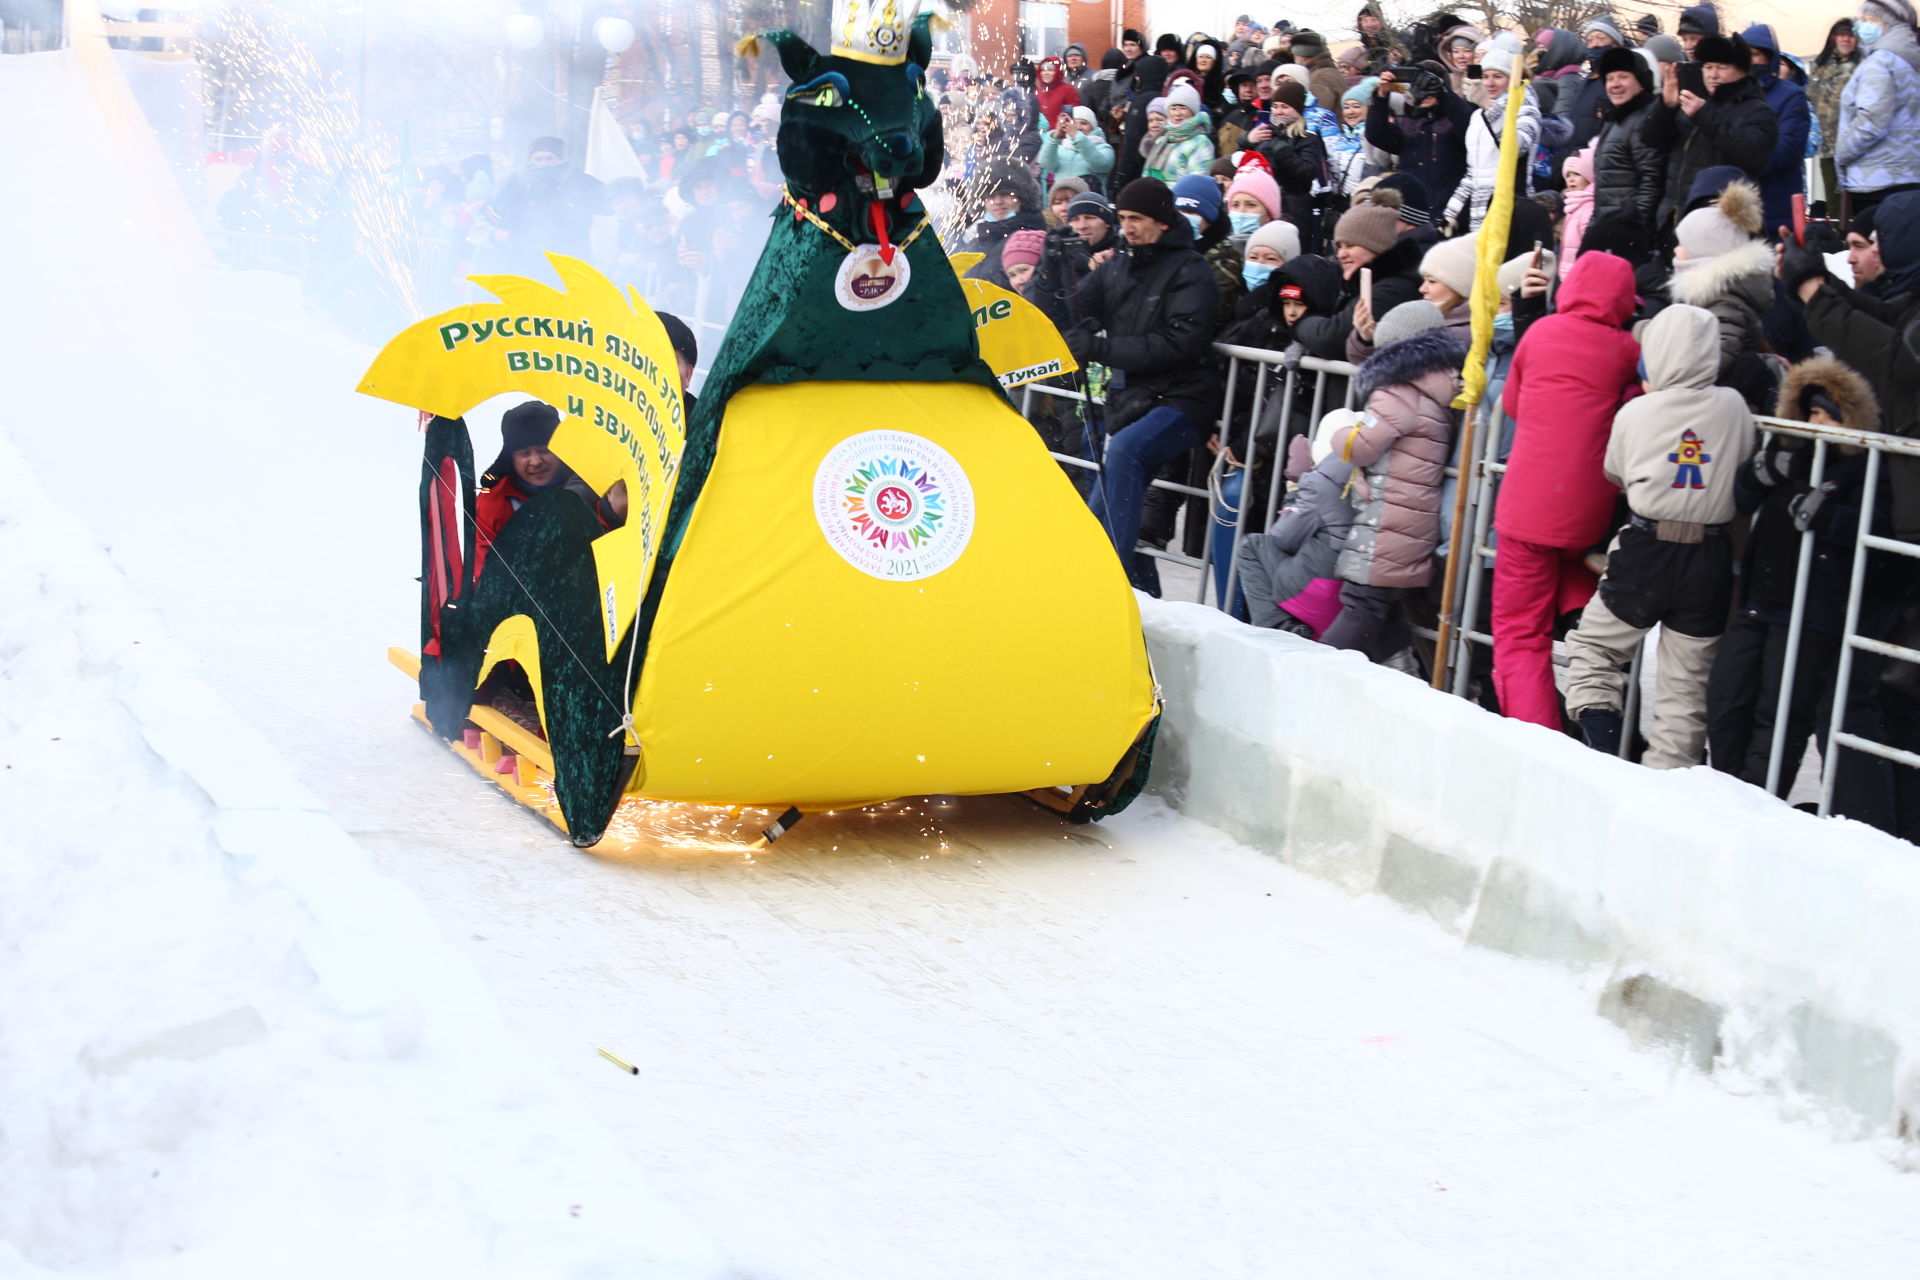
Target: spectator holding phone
point(1430, 139)
point(1719, 116)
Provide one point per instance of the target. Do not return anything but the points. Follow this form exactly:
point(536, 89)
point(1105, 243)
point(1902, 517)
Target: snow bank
point(231, 1047)
point(1769, 947)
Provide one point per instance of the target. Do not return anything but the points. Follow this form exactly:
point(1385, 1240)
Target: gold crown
point(873, 30)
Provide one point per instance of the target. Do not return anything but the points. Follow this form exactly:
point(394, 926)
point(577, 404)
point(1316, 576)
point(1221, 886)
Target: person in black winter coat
point(1149, 81)
point(1732, 125)
point(1430, 139)
point(1089, 237)
point(1630, 173)
point(1743, 692)
point(1368, 237)
point(1296, 155)
point(1157, 308)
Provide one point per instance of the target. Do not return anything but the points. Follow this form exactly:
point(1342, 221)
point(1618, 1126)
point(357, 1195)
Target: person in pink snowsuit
point(1579, 203)
point(1571, 372)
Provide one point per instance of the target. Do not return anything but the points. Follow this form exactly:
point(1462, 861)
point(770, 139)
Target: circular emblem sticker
point(893, 505)
point(867, 282)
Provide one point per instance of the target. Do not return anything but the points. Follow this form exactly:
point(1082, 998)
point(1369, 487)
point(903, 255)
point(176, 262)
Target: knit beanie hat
point(1451, 262)
point(1723, 226)
point(1362, 91)
point(1295, 72)
point(1405, 320)
point(1415, 204)
point(1290, 91)
point(1206, 50)
point(526, 425)
point(1308, 44)
point(1182, 95)
point(1085, 115)
point(1606, 25)
point(1580, 162)
point(1352, 59)
point(1371, 226)
point(1094, 203)
point(679, 337)
point(1198, 193)
point(1157, 107)
point(1150, 198)
point(1900, 11)
point(1131, 36)
point(1648, 25)
point(1023, 246)
point(1258, 183)
point(1514, 272)
point(1665, 48)
point(1280, 236)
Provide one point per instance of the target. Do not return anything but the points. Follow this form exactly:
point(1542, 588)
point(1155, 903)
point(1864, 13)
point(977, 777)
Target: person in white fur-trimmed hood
point(1723, 265)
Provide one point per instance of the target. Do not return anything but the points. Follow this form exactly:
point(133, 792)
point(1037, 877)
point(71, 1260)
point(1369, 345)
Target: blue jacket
point(1785, 174)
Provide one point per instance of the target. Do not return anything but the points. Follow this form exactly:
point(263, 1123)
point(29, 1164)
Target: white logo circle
point(866, 281)
point(893, 505)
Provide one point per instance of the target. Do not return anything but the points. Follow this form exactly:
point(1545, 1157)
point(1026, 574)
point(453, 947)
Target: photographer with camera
point(1430, 139)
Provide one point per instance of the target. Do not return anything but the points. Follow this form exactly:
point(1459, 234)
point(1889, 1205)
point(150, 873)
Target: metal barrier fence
point(1273, 374)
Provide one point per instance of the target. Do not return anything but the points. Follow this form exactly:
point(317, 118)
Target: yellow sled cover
point(887, 589)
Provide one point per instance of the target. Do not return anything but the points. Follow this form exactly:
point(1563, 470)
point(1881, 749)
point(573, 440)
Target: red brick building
point(1003, 30)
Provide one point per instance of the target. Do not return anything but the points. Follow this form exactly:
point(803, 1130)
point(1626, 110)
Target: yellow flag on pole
point(1492, 246)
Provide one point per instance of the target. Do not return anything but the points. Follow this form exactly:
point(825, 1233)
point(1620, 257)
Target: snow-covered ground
point(940, 1040)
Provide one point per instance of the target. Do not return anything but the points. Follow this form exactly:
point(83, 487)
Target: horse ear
point(920, 39)
point(797, 57)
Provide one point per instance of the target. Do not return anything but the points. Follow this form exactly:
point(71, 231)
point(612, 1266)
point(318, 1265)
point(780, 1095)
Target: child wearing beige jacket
point(1676, 451)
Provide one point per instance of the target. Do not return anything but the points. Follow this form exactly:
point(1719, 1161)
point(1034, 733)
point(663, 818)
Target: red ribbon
point(877, 213)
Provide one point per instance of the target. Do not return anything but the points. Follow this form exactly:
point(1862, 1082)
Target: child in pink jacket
point(1571, 372)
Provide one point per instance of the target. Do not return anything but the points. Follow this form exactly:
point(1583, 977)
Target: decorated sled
point(851, 574)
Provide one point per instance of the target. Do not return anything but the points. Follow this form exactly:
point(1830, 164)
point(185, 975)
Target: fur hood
point(1745, 273)
point(1846, 388)
point(1435, 351)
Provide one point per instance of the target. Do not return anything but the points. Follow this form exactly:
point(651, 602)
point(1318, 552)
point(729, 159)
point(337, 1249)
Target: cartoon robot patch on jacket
point(1691, 456)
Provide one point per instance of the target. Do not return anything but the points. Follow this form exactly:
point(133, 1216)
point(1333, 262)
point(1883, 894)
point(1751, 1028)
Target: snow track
point(950, 1039)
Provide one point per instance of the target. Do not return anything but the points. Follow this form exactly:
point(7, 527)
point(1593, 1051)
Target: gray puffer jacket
point(1303, 543)
point(1401, 450)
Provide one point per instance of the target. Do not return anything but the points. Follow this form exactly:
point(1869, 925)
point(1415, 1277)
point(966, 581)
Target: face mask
point(1244, 224)
point(998, 217)
point(1503, 321)
point(1255, 273)
point(1867, 32)
point(1199, 227)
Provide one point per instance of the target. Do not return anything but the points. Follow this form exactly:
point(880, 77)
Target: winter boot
point(1602, 728)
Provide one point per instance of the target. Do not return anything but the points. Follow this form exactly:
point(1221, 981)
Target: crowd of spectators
point(1672, 268)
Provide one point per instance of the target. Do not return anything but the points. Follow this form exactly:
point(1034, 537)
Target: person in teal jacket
point(1075, 148)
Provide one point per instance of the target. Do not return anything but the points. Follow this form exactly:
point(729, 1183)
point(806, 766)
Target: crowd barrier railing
point(1273, 374)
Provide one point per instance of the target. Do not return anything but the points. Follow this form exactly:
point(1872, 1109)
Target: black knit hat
point(1648, 25)
point(1149, 197)
point(1134, 36)
point(1618, 59)
point(1416, 202)
point(680, 337)
point(527, 425)
point(1729, 51)
point(1094, 203)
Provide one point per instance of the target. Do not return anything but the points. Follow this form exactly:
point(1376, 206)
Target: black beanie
point(1167, 43)
point(1616, 232)
point(1149, 197)
point(527, 425)
point(680, 337)
point(1617, 59)
point(554, 145)
point(1135, 37)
